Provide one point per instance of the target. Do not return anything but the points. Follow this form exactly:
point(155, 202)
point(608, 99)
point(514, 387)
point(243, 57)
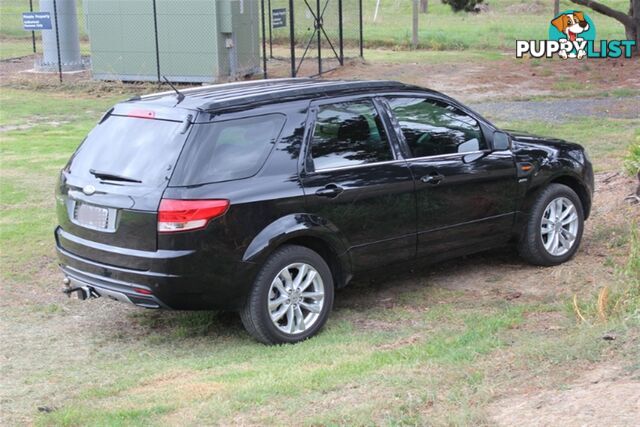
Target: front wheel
point(291, 297)
point(553, 230)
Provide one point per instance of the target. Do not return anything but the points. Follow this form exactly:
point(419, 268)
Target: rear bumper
point(93, 286)
point(181, 280)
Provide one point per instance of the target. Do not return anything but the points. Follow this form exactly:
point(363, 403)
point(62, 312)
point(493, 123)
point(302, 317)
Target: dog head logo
point(572, 24)
point(572, 29)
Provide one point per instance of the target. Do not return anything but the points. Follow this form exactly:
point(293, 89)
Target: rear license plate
point(91, 216)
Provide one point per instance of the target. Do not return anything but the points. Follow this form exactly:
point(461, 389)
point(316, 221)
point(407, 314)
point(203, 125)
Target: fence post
point(264, 42)
point(33, 33)
point(55, 17)
point(341, 33)
point(414, 38)
point(318, 26)
point(292, 38)
point(424, 6)
point(360, 18)
point(155, 31)
point(270, 30)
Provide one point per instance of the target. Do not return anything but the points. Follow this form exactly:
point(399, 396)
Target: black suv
point(265, 196)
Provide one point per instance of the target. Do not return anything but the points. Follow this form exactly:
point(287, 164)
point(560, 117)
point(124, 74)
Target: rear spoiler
point(143, 110)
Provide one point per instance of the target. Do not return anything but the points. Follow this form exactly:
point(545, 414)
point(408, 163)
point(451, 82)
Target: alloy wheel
point(296, 298)
point(559, 226)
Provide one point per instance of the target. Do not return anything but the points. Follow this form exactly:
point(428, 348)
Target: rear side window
point(432, 128)
point(349, 134)
point(140, 150)
point(228, 150)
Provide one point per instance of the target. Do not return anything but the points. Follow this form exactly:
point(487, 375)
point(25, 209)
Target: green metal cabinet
point(198, 40)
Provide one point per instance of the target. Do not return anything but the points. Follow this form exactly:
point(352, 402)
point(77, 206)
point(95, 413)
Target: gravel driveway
point(561, 110)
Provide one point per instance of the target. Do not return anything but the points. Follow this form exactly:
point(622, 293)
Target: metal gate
point(318, 34)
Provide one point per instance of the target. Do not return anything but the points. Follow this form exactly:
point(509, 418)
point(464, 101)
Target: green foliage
point(631, 274)
point(460, 5)
point(620, 301)
point(632, 159)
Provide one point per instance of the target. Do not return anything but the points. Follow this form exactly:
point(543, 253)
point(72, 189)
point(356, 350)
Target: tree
point(466, 5)
point(630, 21)
point(424, 6)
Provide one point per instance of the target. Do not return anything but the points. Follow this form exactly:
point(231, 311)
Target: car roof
point(258, 92)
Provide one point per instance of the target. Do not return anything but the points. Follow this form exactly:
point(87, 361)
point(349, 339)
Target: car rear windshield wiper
point(112, 177)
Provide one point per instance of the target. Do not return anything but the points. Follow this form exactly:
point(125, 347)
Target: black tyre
point(553, 230)
point(291, 297)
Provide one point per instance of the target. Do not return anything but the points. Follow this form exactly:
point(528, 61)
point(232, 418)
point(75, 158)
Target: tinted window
point(347, 134)
point(432, 128)
point(141, 149)
point(227, 150)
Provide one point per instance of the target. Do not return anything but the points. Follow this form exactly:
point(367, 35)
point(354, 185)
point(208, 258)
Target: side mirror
point(501, 141)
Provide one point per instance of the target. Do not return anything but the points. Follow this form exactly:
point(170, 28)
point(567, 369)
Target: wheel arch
point(580, 189)
point(340, 268)
point(309, 231)
point(570, 181)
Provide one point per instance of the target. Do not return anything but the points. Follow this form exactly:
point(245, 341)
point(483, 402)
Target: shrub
point(621, 300)
point(466, 5)
point(632, 159)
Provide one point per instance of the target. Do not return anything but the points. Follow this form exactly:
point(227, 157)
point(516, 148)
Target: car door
point(353, 179)
point(466, 193)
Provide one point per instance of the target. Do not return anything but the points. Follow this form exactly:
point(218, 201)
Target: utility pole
point(414, 40)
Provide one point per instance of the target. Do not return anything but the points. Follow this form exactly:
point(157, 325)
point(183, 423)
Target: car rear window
point(227, 150)
point(142, 150)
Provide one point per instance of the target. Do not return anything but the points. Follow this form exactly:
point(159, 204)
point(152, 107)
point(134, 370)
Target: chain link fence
point(191, 41)
point(310, 37)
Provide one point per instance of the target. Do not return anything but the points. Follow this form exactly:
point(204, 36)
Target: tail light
point(184, 215)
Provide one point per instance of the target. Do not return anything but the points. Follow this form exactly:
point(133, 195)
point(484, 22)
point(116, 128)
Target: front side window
point(349, 134)
point(433, 128)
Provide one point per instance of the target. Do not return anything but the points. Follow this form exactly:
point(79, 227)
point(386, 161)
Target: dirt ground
point(471, 81)
point(509, 78)
point(604, 395)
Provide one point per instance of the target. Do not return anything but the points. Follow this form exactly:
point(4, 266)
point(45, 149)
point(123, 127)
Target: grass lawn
point(18, 47)
point(408, 349)
point(15, 48)
point(506, 21)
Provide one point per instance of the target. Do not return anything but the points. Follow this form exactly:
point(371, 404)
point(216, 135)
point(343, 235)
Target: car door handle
point(433, 178)
point(330, 191)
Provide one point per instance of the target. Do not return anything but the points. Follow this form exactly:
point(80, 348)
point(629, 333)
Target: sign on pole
point(35, 21)
point(279, 18)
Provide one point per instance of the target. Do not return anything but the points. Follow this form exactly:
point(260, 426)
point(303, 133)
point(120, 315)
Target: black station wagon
point(264, 197)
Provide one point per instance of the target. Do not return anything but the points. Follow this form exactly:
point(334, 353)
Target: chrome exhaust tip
point(82, 291)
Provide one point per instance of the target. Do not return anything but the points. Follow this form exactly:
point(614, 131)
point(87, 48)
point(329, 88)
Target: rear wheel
point(291, 297)
point(553, 230)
